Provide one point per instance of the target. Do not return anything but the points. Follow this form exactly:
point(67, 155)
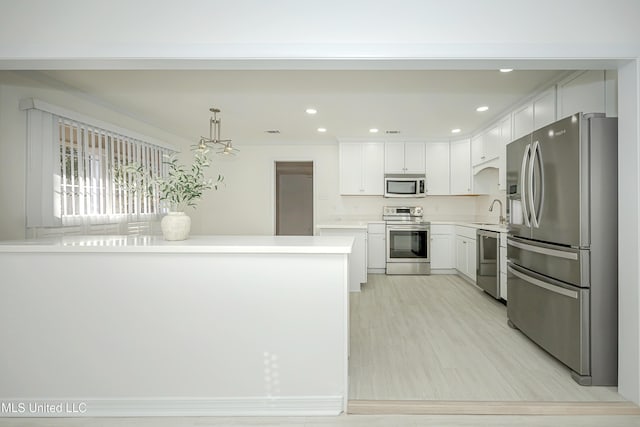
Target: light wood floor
point(441, 338)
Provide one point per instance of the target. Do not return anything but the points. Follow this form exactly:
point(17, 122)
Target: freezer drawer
point(565, 264)
point(553, 314)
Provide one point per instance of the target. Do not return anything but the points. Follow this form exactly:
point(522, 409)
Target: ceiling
point(419, 104)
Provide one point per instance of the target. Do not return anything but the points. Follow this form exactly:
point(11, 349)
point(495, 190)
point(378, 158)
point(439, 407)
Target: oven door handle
point(411, 227)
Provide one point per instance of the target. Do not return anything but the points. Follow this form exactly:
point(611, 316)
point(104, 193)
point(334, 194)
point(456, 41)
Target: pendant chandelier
point(222, 146)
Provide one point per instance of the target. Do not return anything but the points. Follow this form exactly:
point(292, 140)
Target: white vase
point(175, 226)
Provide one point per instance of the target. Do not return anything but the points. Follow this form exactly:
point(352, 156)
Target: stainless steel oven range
point(408, 240)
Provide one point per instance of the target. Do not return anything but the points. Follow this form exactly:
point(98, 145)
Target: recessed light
point(506, 70)
point(373, 130)
point(311, 111)
point(322, 129)
point(456, 130)
point(482, 108)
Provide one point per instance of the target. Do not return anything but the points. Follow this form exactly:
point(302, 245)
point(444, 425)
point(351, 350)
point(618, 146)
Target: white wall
point(487, 34)
point(629, 230)
point(318, 29)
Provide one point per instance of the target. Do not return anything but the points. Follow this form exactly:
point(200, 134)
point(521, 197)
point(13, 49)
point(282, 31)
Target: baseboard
point(436, 407)
point(227, 407)
point(444, 271)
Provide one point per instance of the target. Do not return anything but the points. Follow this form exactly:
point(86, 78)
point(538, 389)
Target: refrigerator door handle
point(541, 250)
point(541, 284)
point(525, 156)
point(532, 206)
point(536, 158)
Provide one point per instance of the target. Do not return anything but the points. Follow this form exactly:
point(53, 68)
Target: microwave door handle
point(523, 180)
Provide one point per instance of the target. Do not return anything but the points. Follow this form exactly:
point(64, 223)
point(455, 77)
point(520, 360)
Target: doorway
point(294, 198)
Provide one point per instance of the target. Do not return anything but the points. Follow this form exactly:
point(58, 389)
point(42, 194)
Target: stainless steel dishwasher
point(488, 262)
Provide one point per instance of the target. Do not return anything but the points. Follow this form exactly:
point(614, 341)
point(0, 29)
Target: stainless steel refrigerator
point(562, 249)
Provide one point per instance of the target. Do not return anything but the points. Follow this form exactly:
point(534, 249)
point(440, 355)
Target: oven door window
point(407, 244)
point(402, 187)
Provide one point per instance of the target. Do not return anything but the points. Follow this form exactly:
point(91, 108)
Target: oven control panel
point(402, 211)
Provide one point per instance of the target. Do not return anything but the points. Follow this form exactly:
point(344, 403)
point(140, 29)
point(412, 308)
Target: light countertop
point(363, 225)
point(346, 225)
point(195, 244)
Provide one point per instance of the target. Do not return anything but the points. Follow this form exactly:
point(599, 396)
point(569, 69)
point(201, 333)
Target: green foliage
point(182, 187)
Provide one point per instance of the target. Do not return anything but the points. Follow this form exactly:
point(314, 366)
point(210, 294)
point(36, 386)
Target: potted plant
point(182, 187)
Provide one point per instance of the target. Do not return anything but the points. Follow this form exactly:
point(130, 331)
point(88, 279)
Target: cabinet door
point(544, 109)
point(477, 150)
point(523, 121)
point(584, 92)
point(414, 157)
point(437, 168)
point(394, 157)
point(461, 254)
point(505, 139)
point(491, 143)
point(471, 259)
point(442, 254)
point(460, 167)
point(376, 256)
point(351, 169)
point(373, 168)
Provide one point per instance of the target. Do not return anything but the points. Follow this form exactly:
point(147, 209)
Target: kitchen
point(359, 206)
point(471, 173)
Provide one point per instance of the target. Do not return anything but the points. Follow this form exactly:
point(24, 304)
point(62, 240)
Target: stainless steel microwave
point(404, 185)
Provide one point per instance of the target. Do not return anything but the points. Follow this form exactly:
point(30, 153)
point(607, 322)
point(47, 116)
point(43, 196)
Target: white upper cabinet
point(505, 138)
point(460, 167)
point(437, 171)
point(362, 168)
point(485, 146)
point(477, 150)
point(544, 109)
point(522, 121)
point(583, 92)
point(404, 157)
point(540, 112)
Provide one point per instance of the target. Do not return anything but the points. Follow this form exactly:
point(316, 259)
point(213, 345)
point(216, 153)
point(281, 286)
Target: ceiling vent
point(393, 132)
point(272, 131)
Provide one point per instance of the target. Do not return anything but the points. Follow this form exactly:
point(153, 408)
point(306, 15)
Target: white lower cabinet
point(358, 257)
point(442, 248)
point(376, 248)
point(466, 252)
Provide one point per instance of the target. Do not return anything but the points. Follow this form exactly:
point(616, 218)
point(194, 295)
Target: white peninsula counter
point(214, 325)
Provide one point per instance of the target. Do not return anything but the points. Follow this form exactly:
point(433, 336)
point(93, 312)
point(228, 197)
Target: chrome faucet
point(502, 218)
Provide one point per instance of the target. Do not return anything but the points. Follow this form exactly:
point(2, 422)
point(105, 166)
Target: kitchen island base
point(207, 327)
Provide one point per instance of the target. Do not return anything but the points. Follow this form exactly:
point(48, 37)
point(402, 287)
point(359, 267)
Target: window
point(71, 162)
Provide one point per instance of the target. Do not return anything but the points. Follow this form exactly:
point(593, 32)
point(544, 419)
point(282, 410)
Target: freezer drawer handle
point(541, 284)
point(543, 251)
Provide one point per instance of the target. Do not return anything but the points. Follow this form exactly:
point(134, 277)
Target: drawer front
point(555, 317)
point(565, 264)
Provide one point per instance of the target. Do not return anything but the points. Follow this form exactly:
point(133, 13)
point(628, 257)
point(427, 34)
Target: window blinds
point(71, 173)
